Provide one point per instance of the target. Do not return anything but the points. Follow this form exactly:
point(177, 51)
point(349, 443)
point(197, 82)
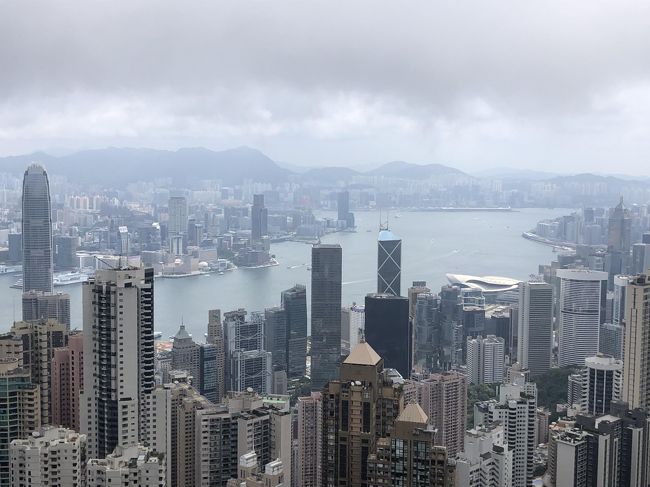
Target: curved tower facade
point(37, 231)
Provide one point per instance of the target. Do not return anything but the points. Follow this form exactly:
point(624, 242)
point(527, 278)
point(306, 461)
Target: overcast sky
point(545, 85)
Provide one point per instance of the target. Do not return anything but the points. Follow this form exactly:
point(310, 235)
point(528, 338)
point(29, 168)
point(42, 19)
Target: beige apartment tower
point(636, 363)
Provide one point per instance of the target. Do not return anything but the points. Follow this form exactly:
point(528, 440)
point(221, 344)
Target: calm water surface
point(433, 244)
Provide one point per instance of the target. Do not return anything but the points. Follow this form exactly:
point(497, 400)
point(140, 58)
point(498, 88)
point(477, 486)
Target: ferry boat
point(67, 278)
point(157, 335)
point(10, 269)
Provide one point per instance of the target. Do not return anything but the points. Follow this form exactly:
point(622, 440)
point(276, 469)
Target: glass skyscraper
point(389, 263)
point(37, 231)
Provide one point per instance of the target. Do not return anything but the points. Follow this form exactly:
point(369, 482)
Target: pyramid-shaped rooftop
point(362, 354)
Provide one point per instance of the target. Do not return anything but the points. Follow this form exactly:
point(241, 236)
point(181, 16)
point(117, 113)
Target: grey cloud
point(465, 81)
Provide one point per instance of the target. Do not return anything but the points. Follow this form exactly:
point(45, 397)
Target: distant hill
point(116, 166)
point(329, 175)
point(407, 170)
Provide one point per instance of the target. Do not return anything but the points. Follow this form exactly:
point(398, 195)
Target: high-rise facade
point(601, 384)
point(636, 354)
point(443, 397)
point(582, 310)
point(259, 218)
point(389, 263)
point(40, 339)
point(275, 336)
point(294, 303)
point(19, 409)
point(428, 333)
point(37, 231)
point(309, 441)
point(118, 357)
point(353, 325)
point(411, 455)
point(186, 354)
point(610, 340)
point(177, 215)
point(485, 360)
point(388, 330)
point(326, 281)
point(485, 459)
point(67, 382)
point(38, 305)
point(358, 409)
point(215, 337)
point(535, 331)
point(47, 458)
point(125, 467)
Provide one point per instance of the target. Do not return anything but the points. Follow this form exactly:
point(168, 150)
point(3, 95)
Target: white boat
point(10, 269)
point(157, 335)
point(67, 278)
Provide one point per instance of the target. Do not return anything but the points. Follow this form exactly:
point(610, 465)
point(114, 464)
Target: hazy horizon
point(556, 87)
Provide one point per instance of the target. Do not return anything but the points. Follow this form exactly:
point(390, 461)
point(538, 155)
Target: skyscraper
point(326, 280)
point(343, 209)
point(309, 438)
point(259, 218)
point(388, 330)
point(582, 310)
point(275, 336)
point(37, 231)
point(215, 337)
point(428, 333)
point(38, 305)
point(389, 263)
point(294, 303)
point(636, 354)
point(67, 382)
point(485, 360)
point(177, 215)
point(118, 357)
point(602, 380)
point(185, 355)
point(610, 340)
point(535, 334)
point(358, 408)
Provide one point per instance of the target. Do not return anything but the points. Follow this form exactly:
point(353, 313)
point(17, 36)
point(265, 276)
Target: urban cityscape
point(236, 310)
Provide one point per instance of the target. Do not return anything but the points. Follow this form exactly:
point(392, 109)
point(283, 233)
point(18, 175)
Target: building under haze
point(535, 332)
point(294, 303)
point(118, 357)
point(388, 330)
point(389, 263)
point(326, 281)
point(259, 218)
point(636, 354)
point(37, 231)
point(582, 310)
point(38, 305)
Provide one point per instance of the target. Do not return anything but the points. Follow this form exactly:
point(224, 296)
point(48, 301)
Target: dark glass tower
point(389, 263)
point(259, 218)
point(326, 264)
point(388, 330)
point(294, 302)
point(37, 231)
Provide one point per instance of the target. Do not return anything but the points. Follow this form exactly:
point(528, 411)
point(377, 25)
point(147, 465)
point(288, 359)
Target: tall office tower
point(343, 205)
point(387, 331)
point(443, 397)
point(358, 409)
point(215, 337)
point(516, 411)
point(636, 351)
point(65, 252)
point(428, 355)
point(247, 363)
point(486, 458)
point(127, 466)
point(244, 424)
point(619, 234)
point(535, 326)
point(610, 340)
point(601, 384)
point(353, 325)
point(210, 361)
point(583, 296)
point(49, 457)
point(19, 409)
point(450, 325)
point(259, 218)
point(635, 444)
point(250, 475)
point(294, 303)
point(177, 224)
point(38, 305)
point(389, 263)
point(410, 456)
point(417, 288)
point(618, 307)
point(326, 279)
point(485, 360)
point(309, 441)
point(185, 354)
point(40, 339)
point(118, 357)
point(275, 336)
point(67, 382)
point(640, 258)
point(37, 231)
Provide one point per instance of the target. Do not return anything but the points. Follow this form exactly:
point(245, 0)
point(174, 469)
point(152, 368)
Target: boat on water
point(68, 278)
point(157, 335)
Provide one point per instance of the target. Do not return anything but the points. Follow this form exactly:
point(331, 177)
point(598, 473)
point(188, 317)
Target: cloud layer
point(563, 85)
